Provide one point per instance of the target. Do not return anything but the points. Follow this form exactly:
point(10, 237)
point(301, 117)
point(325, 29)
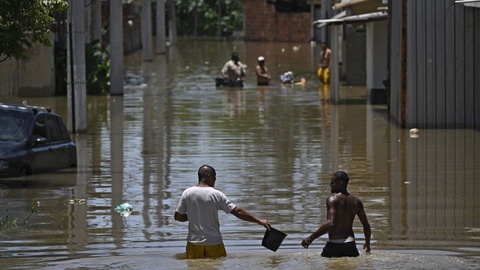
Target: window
point(12, 126)
point(40, 129)
point(54, 131)
point(290, 5)
point(63, 130)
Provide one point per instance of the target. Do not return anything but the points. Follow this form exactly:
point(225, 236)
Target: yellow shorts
point(324, 75)
point(198, 251)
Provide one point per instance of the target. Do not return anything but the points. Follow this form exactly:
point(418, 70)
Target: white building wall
point(377, 46)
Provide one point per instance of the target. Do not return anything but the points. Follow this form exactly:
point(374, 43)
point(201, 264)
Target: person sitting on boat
point(233, 72)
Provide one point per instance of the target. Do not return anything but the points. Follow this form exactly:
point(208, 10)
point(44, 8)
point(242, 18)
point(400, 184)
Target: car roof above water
point(25, 108)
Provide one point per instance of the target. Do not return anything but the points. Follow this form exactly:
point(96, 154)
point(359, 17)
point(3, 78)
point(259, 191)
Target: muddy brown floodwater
point(274, 148)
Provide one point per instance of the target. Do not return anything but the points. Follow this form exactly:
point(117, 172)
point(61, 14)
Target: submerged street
point(274, 149)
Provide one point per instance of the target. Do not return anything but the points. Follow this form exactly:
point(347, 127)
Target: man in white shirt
point(199, 205)
point(233, 71)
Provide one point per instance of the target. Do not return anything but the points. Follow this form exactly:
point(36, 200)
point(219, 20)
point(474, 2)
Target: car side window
point(63, 130)
point(40, 129)
point(53, 129)
point(8, 127)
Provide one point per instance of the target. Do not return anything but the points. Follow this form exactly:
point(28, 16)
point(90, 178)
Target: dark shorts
point(235, 83)
point(340, 250)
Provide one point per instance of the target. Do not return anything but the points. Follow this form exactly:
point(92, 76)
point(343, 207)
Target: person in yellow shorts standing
point(324, 70)
point(199, 205)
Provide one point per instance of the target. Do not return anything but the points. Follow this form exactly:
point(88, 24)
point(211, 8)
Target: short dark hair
point(341, 175)
point(235, 56)
point(204, 171)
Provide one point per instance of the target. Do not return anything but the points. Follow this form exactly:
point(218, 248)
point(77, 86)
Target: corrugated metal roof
point(469, 3)
point(358, 7)
point(325, 21)
point(343, 4)
point(350, 19)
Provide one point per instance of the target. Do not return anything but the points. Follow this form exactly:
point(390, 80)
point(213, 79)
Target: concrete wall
point(376, 54)
point(32, 78)
point(263, 23)
point(354, 58)
point(377, 41)
point(8, 78)
point(35, 76)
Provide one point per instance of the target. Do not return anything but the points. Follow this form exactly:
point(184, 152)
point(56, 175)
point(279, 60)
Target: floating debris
point(76, 201)
point(414, 133)
point(124, 209)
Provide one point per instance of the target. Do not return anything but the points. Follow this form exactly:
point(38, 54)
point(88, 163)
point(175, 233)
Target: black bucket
point(273, 239)
point(220, 82)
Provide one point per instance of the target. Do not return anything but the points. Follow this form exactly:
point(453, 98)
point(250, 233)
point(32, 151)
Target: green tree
point(24, 23)
point(208, 17)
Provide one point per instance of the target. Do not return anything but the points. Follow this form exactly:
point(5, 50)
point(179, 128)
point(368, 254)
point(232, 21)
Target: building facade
point(264, 23)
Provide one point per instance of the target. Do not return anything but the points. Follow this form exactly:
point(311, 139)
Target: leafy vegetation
point(97, 68)
point(8, 221)
point(209, 17)
point(23, 23)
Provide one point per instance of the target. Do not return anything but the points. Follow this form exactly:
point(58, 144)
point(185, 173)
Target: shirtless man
point(263, 77)
point(324, 66)
point(341, 211)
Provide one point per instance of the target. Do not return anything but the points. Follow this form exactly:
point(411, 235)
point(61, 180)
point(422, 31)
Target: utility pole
point(172, 23)
point(219, 21)
point(146, 25)
point(116, 47)
point(96, 20)
point(93, 11)
point(161, 27)
point(326, 13)
point(76, 74)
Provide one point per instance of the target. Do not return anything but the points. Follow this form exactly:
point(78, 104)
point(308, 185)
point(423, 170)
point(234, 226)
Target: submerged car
point(33, 140)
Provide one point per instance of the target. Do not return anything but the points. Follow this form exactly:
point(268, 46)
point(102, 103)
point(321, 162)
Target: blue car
point(33, 140)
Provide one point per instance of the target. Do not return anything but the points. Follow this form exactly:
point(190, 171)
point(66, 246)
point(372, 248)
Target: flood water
point(274, 148)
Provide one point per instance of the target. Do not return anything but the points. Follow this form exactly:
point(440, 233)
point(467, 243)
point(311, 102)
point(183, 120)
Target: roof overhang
point(469, 3)
point(380, 15)
point(358, 7)
point(324, 22)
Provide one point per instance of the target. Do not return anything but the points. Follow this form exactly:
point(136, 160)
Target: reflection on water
point(274, 148)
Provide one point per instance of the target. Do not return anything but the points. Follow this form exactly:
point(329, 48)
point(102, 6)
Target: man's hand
point(264, 223)
point(366, 247)
point(306, 242)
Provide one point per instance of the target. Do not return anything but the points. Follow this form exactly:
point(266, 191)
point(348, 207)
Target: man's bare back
point(342, 209)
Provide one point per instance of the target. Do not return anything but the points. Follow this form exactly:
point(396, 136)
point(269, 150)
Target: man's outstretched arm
point(325, 228)
point(244, 215)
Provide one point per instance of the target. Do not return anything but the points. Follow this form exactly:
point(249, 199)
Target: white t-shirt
point(233, 71)
point(202, 204)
